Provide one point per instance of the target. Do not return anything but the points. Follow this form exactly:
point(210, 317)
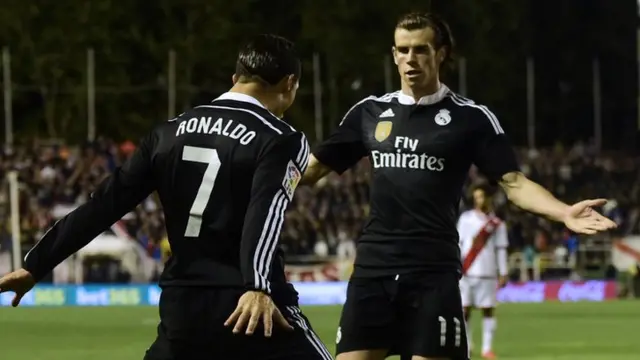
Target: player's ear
point(394, 51)
point(442, 54)
point(292, 83)
point(235, 78)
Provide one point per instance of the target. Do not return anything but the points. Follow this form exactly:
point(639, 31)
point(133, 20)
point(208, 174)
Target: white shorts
point(479, 292)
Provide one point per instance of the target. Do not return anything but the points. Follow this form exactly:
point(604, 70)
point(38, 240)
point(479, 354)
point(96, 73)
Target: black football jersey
point(224, 172)
point(420, 154)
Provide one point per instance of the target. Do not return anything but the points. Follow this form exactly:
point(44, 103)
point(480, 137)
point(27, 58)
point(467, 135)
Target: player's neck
point(418, 93)
point(257, 92)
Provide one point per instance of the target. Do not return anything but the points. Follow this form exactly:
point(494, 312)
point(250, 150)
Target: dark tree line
point(48, 41)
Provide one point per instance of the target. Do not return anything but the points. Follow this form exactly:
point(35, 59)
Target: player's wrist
point(31, 272)
point(562, 214)
point(253, 288)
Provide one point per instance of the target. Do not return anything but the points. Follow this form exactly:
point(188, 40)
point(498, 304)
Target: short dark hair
point(486, 188)
point(267, 58)
point(421, 20)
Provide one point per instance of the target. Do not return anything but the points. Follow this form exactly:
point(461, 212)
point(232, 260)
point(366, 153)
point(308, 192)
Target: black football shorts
point(192, 328)
point(414, 314)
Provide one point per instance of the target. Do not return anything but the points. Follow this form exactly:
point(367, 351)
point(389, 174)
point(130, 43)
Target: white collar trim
point(425, 100)
point(239, 97)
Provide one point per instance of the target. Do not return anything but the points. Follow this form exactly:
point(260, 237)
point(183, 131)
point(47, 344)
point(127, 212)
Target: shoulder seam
point(255, 114)
point(462, 101)
point(175, 117)
point(387, 97)
point(280, 121)
point(384, 98)
point(355, 106)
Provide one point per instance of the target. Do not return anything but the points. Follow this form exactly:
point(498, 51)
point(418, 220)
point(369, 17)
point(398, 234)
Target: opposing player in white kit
point(483, 242)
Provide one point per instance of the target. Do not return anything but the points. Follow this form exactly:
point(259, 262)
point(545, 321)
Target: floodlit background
point(84, 80)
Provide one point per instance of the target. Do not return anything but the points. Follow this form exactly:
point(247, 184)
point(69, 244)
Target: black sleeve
point(344, 148)
point(279, 169)
point(114, 197)
point(493, 154)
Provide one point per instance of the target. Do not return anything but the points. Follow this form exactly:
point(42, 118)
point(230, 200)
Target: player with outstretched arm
point(403, 296)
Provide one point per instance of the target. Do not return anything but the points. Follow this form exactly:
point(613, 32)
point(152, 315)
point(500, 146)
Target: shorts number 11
point(443, 331)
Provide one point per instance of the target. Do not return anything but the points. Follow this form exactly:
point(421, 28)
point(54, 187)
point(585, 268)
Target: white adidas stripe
point(305, 158)
point(269, 240)
point(273, 242)
point(458, 100)
point(42, 237)
point(267, 245)
point(303, 155)
point(388, 97)
point(353, 108)
point(492, 117)
point(308, 333)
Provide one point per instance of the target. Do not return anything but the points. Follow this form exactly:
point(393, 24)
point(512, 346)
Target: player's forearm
point(254, 268)
point(253, 263)
point(315, 171)
point(65, 238)
point(503, 267)
point(532, 197)
point(110, 202)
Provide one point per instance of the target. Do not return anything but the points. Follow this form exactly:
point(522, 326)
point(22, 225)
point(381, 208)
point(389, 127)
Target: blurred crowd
point(332, 213)
point(324, 220)
point(54, 179)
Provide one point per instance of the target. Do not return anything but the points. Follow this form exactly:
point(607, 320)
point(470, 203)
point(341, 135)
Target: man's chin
point(416, 82)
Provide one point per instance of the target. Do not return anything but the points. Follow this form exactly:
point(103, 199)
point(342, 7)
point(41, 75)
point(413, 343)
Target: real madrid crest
point(383, 130)
point(442, 117)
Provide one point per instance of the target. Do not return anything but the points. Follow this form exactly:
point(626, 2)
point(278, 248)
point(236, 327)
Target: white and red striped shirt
point(485, 262)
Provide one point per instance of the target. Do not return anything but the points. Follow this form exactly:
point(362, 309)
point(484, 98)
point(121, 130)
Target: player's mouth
point(413, 73)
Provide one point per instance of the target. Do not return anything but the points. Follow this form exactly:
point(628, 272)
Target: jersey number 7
point(211, 158)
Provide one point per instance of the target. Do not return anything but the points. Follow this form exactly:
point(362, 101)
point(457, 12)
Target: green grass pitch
point(549, 331)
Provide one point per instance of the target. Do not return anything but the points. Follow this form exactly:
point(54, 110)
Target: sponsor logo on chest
point(405, 154)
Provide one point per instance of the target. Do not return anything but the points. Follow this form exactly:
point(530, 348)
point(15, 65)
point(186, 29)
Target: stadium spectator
point(55, 179)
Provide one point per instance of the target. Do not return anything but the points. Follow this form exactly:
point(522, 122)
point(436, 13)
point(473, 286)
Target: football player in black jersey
point(225, 173)
point(403, 296)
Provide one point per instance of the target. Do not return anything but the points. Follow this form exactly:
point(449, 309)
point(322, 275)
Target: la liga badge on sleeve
point(291, 179)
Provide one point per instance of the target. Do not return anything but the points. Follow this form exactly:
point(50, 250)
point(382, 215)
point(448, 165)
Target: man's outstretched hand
point(255, 307)
point(583, 219)
point(503, 280)
point(19, 282)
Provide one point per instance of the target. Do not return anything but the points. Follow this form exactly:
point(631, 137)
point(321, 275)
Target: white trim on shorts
point(315, 341)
